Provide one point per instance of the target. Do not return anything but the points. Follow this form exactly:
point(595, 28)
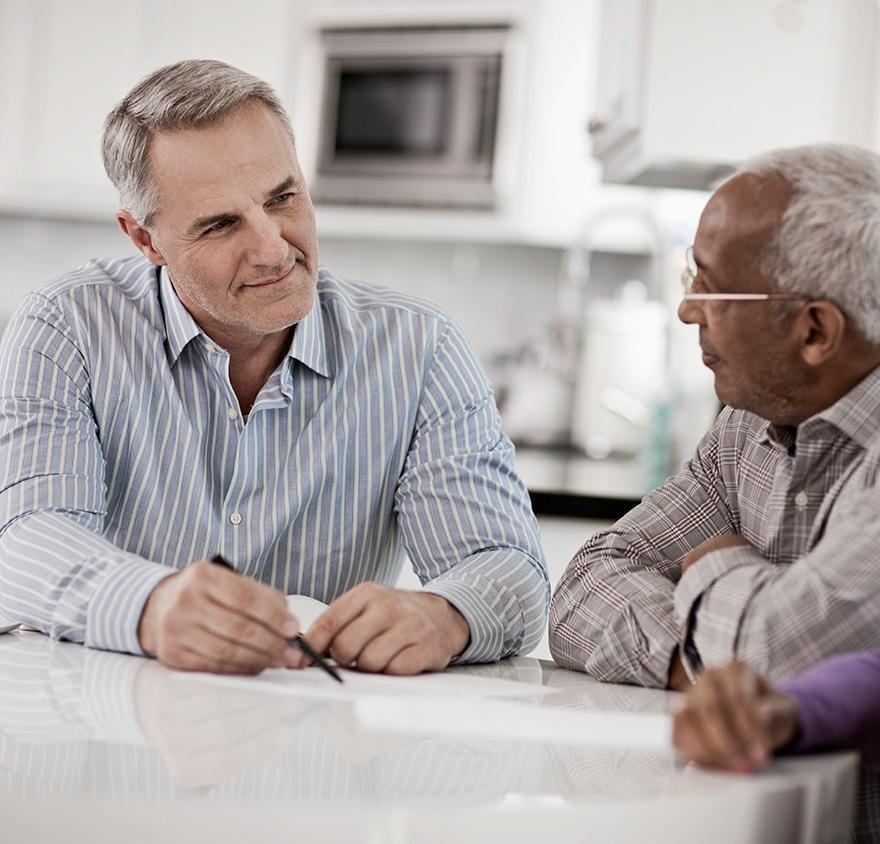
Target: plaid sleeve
point(612, 614)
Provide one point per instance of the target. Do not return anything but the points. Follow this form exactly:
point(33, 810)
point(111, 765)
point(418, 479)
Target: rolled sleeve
point(465, 515)
point(711, 600)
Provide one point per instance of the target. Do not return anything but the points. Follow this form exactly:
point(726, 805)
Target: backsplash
point(497, 292)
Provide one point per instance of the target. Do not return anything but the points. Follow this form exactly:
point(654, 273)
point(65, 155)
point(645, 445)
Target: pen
point(299, 640)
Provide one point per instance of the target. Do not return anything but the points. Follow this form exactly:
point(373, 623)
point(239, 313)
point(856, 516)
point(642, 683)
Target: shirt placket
point(229, 430)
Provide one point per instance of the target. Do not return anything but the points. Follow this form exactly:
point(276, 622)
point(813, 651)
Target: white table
point(98, 747)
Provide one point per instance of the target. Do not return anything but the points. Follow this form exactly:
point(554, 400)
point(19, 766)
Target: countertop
point(563, 482)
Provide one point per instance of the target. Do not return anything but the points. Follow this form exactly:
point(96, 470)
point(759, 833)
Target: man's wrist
point(678, 677)
point(454, 624)
point(146, 627)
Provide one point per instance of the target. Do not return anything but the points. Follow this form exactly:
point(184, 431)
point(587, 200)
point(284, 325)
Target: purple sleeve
point(839, 704)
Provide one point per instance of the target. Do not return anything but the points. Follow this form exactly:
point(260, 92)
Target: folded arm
point(781, 619)
point(612, 614)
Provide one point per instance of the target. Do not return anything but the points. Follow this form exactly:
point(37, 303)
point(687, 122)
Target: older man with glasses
point(764, 546)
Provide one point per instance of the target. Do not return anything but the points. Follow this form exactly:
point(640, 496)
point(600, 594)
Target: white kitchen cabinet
point(687, 90)
point(63, 66)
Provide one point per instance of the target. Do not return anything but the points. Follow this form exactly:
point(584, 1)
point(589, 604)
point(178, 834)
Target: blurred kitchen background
point(537, 167)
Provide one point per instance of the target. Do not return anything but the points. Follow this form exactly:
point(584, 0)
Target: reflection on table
point(110, 747)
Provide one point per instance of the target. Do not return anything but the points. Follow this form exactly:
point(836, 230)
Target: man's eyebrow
point(287, 184)
point(206, 222)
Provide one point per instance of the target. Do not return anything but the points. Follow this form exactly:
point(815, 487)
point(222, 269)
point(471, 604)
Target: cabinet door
point(64, 65)
point(622, 48)
point(73, 61)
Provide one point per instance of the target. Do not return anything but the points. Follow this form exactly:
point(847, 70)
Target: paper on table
point(315, 683)
point(510, 720)
point(306, 609)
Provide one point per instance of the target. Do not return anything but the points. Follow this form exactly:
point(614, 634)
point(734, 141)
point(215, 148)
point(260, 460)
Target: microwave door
point(420, 130)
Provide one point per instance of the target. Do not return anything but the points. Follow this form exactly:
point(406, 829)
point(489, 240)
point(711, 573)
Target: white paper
point(306, 609)
point(313, 682)
point(648, 731)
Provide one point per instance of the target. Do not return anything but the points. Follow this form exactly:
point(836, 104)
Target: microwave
point(410, 116)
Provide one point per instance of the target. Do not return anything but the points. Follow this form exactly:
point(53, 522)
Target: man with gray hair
point(764, 546)
point(221, 395)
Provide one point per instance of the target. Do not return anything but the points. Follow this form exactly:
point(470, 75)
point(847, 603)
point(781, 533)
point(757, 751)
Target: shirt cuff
point(500, 626)
point(711, 599)
point(115, 610)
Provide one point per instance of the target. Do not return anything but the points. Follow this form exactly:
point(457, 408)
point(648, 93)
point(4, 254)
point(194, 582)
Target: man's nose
point(267, 247)
point(689, 311)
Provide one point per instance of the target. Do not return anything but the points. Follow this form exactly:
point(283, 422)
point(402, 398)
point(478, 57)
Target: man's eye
point(218, 227)
point(283, 198)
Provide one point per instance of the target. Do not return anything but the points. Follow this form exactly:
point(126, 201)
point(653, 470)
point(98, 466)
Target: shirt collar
point(856, 415)
point(180, 327)
point(308, 345)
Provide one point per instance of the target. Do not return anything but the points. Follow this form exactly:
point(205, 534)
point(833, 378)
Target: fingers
point(718, 698)
point(207, 618)
point(339, 615)
point(721, 722)
point(377, 654)
point(241, 631)
point(359, 635)
point(249, 598)
point(378, 629)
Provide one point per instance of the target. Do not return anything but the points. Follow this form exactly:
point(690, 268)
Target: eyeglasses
point(690, 279)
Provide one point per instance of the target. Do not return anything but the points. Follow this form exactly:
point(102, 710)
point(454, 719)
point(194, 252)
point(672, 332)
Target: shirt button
point(235, 518)
point(801, 499)
point(232, 413)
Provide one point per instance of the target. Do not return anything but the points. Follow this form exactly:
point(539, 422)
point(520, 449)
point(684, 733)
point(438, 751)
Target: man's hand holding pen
point(209, 618)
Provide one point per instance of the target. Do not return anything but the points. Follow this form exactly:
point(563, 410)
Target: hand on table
point(733, 718)
point(378, 629)
point(726, 540)
point(208, 618)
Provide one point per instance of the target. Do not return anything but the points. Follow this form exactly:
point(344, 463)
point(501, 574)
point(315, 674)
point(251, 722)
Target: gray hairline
point(162, 103)
point(827, 244)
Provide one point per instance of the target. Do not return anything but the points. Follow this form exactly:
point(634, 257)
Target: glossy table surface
point(104, 747)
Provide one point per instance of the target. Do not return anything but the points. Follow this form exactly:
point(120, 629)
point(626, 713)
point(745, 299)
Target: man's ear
point(823, 327)
point(140, 237)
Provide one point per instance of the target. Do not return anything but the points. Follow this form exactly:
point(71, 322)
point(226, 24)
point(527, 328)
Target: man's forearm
point(614, 621)
point(69, 582)
point(782, 619)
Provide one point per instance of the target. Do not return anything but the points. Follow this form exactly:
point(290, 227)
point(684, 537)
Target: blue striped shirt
point(124, 456)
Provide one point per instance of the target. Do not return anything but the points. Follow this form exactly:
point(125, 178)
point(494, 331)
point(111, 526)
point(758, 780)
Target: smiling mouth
point(270, 281)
